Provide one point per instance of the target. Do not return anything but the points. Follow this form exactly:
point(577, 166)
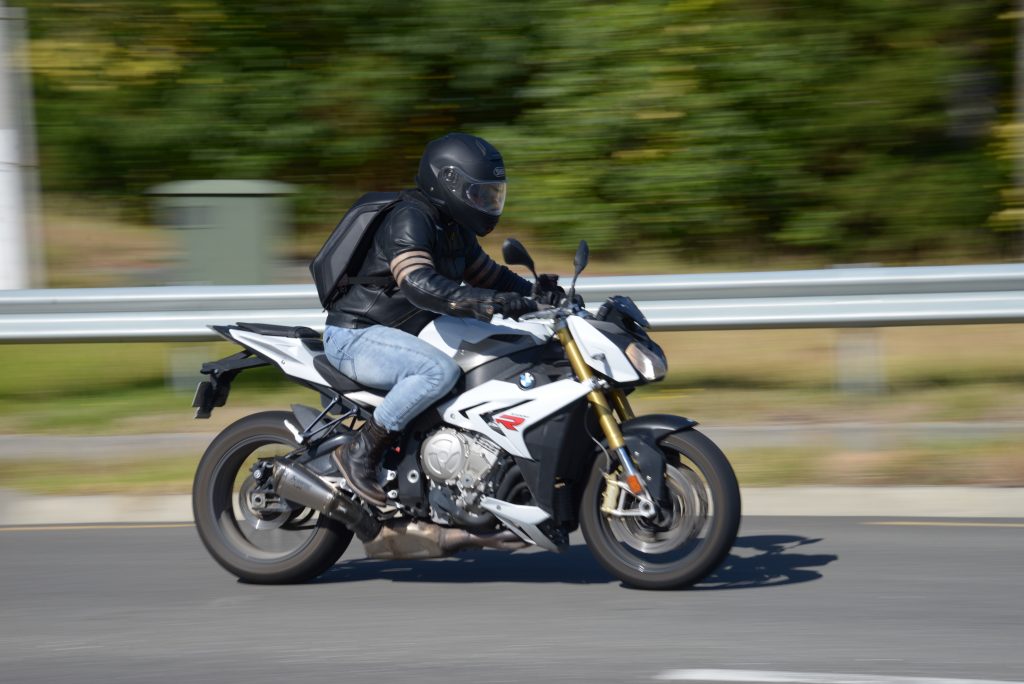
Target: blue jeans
point(414, 373)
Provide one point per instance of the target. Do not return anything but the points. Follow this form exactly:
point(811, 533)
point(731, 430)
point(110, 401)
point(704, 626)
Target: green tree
point(854, 130)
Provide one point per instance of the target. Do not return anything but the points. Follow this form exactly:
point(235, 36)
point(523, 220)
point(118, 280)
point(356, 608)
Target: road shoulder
point(17, 508)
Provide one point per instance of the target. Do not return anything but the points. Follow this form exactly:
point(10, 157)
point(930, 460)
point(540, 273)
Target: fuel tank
point(471, 342)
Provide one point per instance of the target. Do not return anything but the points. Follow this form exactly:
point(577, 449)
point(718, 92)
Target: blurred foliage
point(856, 129)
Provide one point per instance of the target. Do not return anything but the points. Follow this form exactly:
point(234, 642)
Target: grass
point(119, 388)
point(164, 475)
point(717, 378)
point(988, 462)
point(712, 405)
point(89, 244)
point(99, 244)
point(943, 373)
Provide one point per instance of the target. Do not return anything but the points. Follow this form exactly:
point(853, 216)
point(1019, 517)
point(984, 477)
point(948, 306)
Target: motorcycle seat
point(336, 378)
point(300, 332)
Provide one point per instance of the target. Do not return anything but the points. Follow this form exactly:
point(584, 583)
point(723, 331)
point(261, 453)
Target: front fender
point(655, 427)
point(643, 435)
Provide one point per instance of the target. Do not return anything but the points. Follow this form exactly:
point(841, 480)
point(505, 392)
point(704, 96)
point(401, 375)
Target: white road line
point(940, 523)
point(99, 526)
point(808, 678)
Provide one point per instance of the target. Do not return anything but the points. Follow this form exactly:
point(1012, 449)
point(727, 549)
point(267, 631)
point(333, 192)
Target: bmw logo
point(527, 381)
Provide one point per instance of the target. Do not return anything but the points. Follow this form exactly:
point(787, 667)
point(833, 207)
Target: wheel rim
point(686, 517)
point(679, 534)
point(258, 535)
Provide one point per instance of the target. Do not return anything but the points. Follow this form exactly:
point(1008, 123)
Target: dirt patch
point(98, 249)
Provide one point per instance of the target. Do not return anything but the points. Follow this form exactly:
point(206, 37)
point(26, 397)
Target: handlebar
point(545, 311)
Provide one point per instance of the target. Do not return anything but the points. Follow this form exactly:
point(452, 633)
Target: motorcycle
point(537, 439)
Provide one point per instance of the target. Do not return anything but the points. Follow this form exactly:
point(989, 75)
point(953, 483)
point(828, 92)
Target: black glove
point(547, 291)
point(513, 305)
point(482, 310)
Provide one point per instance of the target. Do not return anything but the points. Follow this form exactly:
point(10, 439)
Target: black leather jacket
point(429, 258)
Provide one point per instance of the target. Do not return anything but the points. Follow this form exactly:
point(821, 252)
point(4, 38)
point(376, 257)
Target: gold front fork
point(605, 417)
point(621, 404)
point(595, 397)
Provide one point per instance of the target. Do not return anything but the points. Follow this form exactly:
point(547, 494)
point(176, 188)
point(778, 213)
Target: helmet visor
point(486, 196)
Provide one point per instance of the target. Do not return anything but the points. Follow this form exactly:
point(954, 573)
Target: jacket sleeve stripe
point(490, 275)
point(474, 269)
point(485, 276)
point(404, 272)
point(407, 262)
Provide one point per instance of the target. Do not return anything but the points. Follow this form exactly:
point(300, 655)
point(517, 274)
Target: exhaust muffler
point(296, 482)
point(398, 539)
point(406, 539)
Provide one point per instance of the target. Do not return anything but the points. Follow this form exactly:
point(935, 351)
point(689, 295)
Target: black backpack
point(335, 266)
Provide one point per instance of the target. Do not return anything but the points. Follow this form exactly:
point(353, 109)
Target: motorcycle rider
point(428, 244)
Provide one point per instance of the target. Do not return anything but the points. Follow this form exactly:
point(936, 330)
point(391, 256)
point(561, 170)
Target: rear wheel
point(251, 532)
point(689, 537)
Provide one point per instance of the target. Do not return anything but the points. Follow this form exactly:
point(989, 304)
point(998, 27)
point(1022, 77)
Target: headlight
point(650, 363)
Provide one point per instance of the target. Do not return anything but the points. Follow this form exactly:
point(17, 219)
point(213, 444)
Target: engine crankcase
point(444, 455)
point(450, 457)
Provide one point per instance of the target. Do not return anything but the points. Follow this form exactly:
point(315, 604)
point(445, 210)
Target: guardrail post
point(184, 362)
point(859, 365)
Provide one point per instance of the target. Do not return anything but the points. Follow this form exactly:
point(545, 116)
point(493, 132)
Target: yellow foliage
point(638, 155)
point(97, 62)
point(656, 115)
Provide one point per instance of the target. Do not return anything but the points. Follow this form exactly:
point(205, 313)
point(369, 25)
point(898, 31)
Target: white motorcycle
point(538, 438)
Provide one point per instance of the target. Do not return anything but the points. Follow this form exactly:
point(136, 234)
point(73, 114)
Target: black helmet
point(464, 176)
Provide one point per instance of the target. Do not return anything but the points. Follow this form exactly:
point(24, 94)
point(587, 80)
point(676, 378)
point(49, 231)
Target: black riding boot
point(358, 458)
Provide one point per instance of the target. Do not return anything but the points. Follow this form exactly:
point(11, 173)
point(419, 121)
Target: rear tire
point(706, 499)
point(294, 547)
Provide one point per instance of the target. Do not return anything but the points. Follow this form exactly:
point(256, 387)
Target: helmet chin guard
point(465, 177)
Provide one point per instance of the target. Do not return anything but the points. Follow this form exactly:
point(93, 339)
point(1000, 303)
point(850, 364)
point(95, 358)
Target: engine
point(460, 467)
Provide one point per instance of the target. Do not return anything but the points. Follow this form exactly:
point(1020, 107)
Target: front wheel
point(688, 538)
point(251, 532)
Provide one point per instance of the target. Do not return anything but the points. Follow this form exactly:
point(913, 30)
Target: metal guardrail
point(841, 297)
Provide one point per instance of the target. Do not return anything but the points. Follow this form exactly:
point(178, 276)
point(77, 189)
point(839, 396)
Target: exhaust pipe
point(415, 539)
point(296, 482)
point(399, 539)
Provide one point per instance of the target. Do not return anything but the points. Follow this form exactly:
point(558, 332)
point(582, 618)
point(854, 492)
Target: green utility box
point(229, 230)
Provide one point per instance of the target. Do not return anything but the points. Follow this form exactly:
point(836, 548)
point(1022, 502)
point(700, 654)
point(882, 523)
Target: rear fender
point(214, 392)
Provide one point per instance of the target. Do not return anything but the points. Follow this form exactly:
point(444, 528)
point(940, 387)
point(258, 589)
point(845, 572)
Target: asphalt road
point(831, 595)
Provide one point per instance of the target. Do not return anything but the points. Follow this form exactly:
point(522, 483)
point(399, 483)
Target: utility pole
point(17, 168)
point(1018, 128)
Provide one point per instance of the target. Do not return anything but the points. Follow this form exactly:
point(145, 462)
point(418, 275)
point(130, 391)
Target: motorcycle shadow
point(772, 563)
point(766, 560)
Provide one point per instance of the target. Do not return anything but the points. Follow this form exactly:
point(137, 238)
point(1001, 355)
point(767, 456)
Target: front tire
point(293, 545)
point(692, 539)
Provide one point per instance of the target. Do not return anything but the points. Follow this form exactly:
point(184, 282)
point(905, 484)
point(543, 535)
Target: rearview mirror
point(579, 262)
point(516, 255)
